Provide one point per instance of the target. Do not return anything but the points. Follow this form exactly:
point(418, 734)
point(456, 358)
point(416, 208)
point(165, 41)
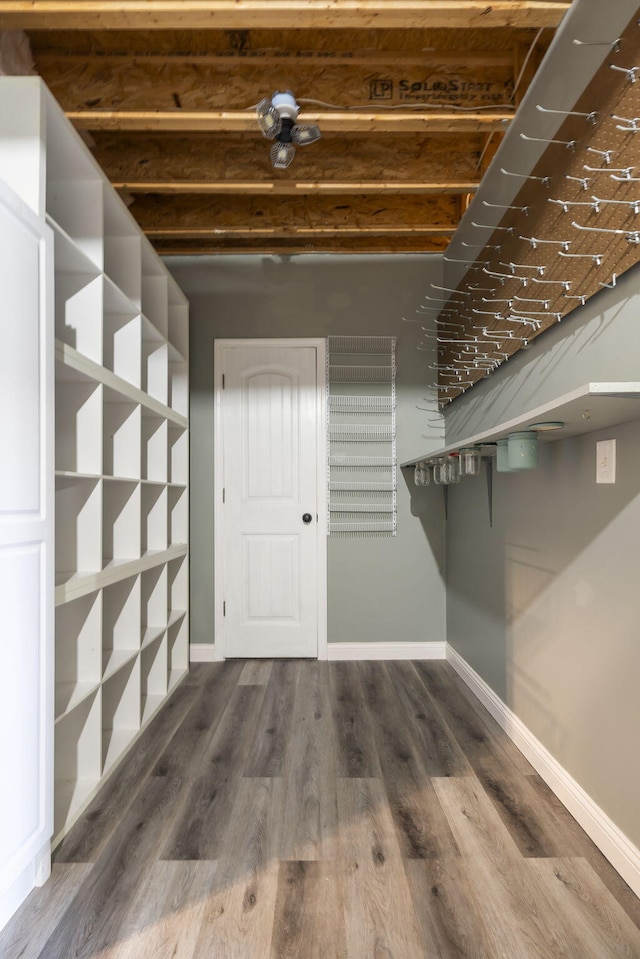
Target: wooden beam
point(292, 187)
point(276, 14)
point(254, 45)
point(52, 61)
point(236, 121)
point(194, 233)
point(292, 247)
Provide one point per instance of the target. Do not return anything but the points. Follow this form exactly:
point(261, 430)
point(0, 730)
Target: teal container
point(522, 450)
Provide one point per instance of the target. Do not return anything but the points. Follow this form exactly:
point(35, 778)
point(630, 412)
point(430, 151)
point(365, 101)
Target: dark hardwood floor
point(304, 810)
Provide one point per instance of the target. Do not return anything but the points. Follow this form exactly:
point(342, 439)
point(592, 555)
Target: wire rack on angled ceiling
point(361, 412)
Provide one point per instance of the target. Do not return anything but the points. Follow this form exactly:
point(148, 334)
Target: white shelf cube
point(121, 432)
point(154, 447)
point(78, 758)
point(121, 611)
point(76, 205)
point(78, 527)
point(154, 531)
point(154, 602)
point(178, 322)
point(78, 313)
point(178, 516)
point(178, 584)
point(78, 668)
point(155, 363)
point(78, 422)
point(121, 522)
point(178, 455)
point(121, 711)
point(153, 676)
point(122, 335)
point(178, 648)
point(154, 294)
point(122, 247)
point(179, 387)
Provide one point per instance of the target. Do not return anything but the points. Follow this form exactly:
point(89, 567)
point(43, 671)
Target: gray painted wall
point(545, 605)
point(380, 589)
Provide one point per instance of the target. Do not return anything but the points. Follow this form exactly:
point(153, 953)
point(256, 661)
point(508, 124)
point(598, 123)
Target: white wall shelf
point(590, 407)
point(122, 453)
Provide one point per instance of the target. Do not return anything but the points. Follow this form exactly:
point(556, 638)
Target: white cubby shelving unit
point(361, 406)
point(121, 327)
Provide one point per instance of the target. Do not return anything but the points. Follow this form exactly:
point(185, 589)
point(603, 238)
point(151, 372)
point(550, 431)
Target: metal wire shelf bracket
point(358, 504)
point(361, 507)
point(360, 404)
point(362, 486)
point(358, 433)
point(362, 462)
point(361, 344)
point(357, 529)
point(360, 374)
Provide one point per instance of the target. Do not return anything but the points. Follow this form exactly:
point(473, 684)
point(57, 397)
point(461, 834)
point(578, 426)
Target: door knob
point(306, 518)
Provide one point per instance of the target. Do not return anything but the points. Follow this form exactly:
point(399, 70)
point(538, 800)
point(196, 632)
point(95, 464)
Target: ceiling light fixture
point(277, 119)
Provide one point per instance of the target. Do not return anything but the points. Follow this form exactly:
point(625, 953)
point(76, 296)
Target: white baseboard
point(35, 873)
point(612, 842)
point(202, 653)
point(206, 652)
point(352, 651)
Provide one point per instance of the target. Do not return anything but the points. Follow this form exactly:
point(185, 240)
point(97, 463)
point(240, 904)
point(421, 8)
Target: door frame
point(320, 345)
point(33, 528)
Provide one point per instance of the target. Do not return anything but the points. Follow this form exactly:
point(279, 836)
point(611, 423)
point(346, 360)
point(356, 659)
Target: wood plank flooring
point(304, 810)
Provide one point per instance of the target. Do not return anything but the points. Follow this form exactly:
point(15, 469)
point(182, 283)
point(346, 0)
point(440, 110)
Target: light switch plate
point(606, 461)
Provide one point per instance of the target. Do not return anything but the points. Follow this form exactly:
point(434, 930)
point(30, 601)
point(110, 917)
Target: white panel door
point(270, 519)
point(26, 551)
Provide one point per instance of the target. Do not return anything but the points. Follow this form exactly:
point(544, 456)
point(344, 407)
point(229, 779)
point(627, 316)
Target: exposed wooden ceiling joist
point(291, 187)
point(270, 14)
point(235, 121)
point(293, 232)
point(289, 247)
point(428, 58)
point(254, 45)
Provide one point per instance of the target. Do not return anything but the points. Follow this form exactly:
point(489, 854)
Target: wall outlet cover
point(606, 461)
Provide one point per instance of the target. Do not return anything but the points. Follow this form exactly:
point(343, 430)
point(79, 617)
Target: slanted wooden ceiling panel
point(546, 265)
